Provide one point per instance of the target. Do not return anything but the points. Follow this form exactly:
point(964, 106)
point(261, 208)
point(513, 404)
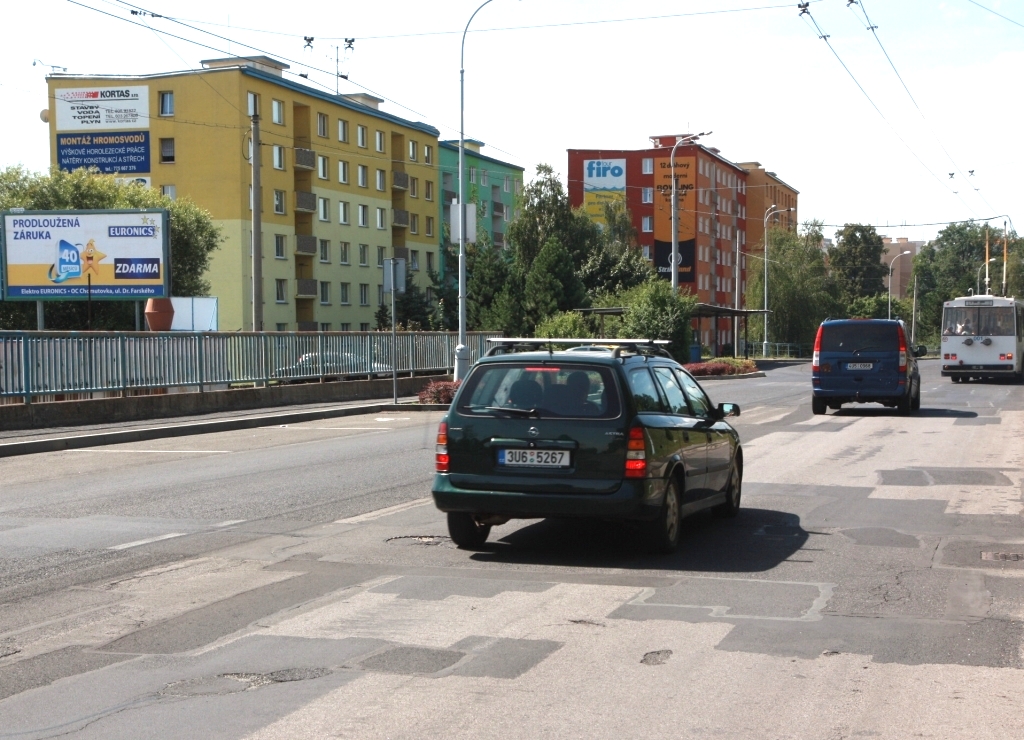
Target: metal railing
point(34, 364)
point(776, 350)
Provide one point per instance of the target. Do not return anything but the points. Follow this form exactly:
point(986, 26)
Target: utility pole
point(394, 336)
point(913, 320)
point(736, 295)
point(1004, 257)
point(257, 228)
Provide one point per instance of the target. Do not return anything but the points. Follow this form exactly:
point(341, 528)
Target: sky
point(830, 116)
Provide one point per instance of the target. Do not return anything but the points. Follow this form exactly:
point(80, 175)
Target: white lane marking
point(392, 418)
point(176, 452)
point(229, 522)
point(147, 541)
point(357, 429)
point(381, 513)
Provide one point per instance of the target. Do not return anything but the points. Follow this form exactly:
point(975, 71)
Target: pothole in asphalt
point(426, 540)
point(657, 657)
point(232, 683)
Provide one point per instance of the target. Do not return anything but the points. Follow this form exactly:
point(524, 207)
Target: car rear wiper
point(869, 346)
point(522, 412)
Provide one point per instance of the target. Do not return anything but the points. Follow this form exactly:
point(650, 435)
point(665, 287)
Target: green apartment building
point(492, 184)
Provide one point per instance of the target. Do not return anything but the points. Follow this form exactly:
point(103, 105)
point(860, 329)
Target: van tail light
point(636, 453)
point(441, 450)
point(816, 358)
point(903, 348)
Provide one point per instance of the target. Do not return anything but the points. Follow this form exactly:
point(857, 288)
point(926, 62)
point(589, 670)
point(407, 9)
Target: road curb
point(744, 376)
point(80, 441)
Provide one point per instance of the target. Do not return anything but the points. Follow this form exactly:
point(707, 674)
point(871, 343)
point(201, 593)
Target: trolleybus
point(982, 337)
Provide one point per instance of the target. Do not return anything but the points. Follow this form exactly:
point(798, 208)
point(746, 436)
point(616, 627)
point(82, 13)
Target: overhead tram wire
point(805, 11)
point(874, 32)
point(993, 12)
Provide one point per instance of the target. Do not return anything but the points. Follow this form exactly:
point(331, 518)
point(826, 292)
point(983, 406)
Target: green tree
point(877, 307)
point(488, 269)
point(193, 238)
point(551, 284)
point(800, 291)
point(618, 264)
point(653, 312)
point(856, 262)
point(568, 324)
point(382, 318)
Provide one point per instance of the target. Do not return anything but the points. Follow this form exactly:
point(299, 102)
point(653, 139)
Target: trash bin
point(694, 353)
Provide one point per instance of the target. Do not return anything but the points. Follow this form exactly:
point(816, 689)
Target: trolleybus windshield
point(978, 321)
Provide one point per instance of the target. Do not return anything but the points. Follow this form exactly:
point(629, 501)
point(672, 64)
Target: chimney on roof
point(370, 101)
point(262, 63)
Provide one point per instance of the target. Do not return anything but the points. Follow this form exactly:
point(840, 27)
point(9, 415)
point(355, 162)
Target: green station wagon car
point(618, 433)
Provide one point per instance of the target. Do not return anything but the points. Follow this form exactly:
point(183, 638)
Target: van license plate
point(859, 365)
point(534, 458)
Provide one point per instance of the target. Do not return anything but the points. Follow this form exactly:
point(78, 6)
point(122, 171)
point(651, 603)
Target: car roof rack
point(635, 346)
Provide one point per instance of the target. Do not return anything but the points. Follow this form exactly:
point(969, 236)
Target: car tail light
point(636, 453)
point(441, 450)
point(1009, 355)
point(1002, 357)
point(816, 358)
point(903, 349)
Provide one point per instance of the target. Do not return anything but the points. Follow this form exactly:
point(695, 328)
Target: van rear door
point(860, 357)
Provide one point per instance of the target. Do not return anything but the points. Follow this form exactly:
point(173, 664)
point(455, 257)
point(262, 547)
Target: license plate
point(859, 365)
point(534, 458)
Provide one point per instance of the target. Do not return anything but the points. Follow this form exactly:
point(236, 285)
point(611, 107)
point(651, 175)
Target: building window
point(648, 224)
point(382, 253)
point(362, 173)
point(382, 218)
point(380, 295)
point(518, 186)
point(364, 299)
point(647, 195)
point(279, 201)
point(472, 175)
point(321, 167)
point(428, 191)
point(281, 291)
point(430, 225)
point(364, 255)
point(380, 141)
point(254, 104)
point(281, 327)
point(647, 251)
point(430, 261)
point(342, 211)
point(361, 136)
point(648, 166)
point(414, 223)
point(364, 326)
point(169, 191)
point(413, 151)
point(428, 153)
point(325, 327)
point(343, 252)
point(414, 259)
point(325, 293)
point(280, 248)
point(483, 178)
point(504, 213)
point(277, 111)
point(167, 151)
point(343, 296)
point(278, 156)
point(342, 130)
point(508, 184)
point(382, 180)
point(345, 326)
point(324, 209)
point(343, 172)
point(166, 104)
point(325, 250)
point(364, 215)
point(321, 124)
point(414, 187)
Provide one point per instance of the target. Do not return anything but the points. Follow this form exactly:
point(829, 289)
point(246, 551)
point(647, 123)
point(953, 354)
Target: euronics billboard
point(604, 182)
point(77, 255)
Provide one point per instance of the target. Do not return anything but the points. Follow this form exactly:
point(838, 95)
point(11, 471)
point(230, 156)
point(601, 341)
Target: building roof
point(454, 147)
point(750, 166)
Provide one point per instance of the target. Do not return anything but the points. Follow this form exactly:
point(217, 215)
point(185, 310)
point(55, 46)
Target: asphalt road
point(293, 582)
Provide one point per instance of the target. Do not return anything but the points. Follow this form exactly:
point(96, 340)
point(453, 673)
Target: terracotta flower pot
point(159, 314)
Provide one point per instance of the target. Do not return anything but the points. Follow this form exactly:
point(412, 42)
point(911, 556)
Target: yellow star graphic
point(90, 258)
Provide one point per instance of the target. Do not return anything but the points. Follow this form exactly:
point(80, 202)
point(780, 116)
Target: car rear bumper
point(848, 395)
point(634, 499)
point(991, 370)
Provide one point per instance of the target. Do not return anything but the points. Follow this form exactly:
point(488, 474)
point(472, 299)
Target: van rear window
point(859, 335)
point(540, 391)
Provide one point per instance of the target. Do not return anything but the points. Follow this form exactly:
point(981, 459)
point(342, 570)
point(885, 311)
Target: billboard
point(604, 181)
point(686, 179)
point(77, 255)
point(123, 152)
point(102, 108)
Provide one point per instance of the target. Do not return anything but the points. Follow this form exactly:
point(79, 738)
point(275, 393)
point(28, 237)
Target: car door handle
point(669, 434)
point(686, 436)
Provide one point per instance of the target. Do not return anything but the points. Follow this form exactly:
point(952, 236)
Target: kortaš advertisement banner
point(82, 255)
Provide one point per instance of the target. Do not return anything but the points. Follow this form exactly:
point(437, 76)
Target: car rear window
point(549, 390)
point(860, 335)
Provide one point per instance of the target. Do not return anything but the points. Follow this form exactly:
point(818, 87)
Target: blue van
point(865, 361)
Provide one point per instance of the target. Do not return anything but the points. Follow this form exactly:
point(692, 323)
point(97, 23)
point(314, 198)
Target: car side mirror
point(920, 350)
point(728, 409)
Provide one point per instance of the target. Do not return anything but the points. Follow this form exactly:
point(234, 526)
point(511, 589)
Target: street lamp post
point(675, 208)
point(771, 211)
point(891, 263)
point(462, 350)
point(977, 280)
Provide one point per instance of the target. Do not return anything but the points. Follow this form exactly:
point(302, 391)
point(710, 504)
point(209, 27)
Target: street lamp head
point(904, 252)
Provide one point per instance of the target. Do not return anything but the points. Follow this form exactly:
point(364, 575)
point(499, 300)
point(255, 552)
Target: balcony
point(305, 244)
point(305, 202)
point(305, 159)
point(308, 326)
point(497, 209)
point(499, 239)
point(400, 219)
point(399, 180)
point(449, 196)
point(305, 288)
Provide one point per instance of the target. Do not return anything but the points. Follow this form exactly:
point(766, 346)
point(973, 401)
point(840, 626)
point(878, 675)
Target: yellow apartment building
point(344, 184)
point(765, 189)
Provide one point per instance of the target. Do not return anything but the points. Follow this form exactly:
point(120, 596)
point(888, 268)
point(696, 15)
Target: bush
point(721, 366)
point(439, 391)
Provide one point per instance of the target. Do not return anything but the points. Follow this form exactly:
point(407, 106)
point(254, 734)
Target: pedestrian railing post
point(201, 359)
point(26, 383)
point(122, 352)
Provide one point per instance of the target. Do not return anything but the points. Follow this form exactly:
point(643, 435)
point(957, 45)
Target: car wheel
point(465, 531)
point(905, 405)
point(664, 530)
point(818, 405)
point(915, 404)
point(733, 492)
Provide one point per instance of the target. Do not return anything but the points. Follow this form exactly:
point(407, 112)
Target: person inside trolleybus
point(965, 329)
